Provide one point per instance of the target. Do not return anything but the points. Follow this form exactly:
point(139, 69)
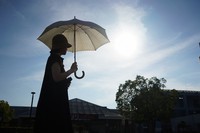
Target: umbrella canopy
point(83, 35)
point(89, 36)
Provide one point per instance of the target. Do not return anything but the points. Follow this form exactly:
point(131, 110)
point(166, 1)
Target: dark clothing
point(53, 113)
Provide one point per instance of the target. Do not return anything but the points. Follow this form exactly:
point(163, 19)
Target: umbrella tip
point(74, 17)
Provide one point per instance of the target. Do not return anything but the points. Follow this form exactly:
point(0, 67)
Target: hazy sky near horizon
point(147, 37)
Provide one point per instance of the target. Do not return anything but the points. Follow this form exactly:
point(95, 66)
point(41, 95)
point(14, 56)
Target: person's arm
point(58, 75)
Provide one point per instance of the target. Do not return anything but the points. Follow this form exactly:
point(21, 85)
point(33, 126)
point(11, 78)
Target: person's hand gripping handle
point(74, 67)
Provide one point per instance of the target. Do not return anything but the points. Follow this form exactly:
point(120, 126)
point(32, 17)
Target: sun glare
point(128, 43)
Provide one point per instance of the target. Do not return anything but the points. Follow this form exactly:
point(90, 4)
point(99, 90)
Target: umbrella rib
point(87, 34)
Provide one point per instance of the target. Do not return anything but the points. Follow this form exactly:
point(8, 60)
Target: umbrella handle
point(83, 74)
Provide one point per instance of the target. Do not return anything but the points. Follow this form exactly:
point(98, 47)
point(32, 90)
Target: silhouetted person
point(53, 113)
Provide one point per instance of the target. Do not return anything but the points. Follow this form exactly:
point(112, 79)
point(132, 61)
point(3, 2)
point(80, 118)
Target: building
point(92, 118)
point(188, 103)
point(86, 117)
point(186, 116)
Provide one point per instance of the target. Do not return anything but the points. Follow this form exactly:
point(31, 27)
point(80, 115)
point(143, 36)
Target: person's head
point(60, 44)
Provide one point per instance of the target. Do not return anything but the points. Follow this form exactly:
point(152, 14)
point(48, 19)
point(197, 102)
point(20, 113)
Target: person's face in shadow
point(63, 51)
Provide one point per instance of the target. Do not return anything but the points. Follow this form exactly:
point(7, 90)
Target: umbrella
point(83, 35)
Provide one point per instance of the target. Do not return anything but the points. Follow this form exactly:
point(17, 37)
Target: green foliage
point(6, 113)
point(145, 99)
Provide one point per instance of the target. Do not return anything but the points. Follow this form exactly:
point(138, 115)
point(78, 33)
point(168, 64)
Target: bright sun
point(128, 42)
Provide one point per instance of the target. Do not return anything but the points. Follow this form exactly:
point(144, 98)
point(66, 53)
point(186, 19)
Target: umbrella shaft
point(74, 42)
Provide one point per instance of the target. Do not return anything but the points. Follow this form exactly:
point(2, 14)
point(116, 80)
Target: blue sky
point(147, 37)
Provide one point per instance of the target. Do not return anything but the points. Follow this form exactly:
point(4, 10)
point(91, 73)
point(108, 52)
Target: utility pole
point(31, 104)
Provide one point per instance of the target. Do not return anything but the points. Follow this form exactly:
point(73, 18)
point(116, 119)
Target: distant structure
point(187, 112)
point(89, 117)
point(188, 103)
point(86, 117)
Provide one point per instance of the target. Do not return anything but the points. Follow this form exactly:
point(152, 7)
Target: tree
point(6, 113)
point(145, 100)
